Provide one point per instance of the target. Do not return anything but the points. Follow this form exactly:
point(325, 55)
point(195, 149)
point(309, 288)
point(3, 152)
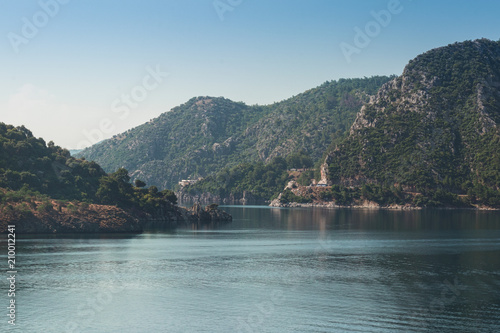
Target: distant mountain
point(435, 127)
point(75, 152)
point(207, 134)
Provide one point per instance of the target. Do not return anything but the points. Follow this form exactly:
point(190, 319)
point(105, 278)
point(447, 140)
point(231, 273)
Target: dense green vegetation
point(26, 161)
point(116, 189)
point(299, 160)
point(206, 135)
point(387, 196)
point(288, 196)
point(434, 130)
point(430, 138)
point(306, 177)
point(31, 170)
point(262, 181)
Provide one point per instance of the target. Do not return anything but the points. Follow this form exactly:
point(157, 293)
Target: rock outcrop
point(324, 172)
point(211, 213)
point(434, 126)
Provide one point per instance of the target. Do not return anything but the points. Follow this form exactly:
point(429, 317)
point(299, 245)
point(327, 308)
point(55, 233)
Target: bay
point(271, 270)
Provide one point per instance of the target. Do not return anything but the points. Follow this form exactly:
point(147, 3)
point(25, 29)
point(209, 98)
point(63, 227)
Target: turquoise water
point(271, 270)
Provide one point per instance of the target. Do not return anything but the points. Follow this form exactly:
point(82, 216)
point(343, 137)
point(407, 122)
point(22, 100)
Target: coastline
point(66, 217)
point(370, 205)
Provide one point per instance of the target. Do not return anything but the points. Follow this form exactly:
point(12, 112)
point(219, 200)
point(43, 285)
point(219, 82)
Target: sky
point(79, 71)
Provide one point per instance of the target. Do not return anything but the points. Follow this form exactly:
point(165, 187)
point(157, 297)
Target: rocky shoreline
point(63, 219)
point(248, 199)
point(367, 205)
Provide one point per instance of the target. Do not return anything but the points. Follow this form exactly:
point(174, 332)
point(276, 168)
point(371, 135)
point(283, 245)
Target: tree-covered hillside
point(31, 170)
point(436, 127)
point(258, 181)
point(26, 161)
point(206, 135)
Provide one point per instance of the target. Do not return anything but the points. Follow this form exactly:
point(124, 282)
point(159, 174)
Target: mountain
point(208, 134)
point(434, 129)
point(75, 152)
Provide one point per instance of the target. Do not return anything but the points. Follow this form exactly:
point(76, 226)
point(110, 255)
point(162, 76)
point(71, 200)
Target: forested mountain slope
point(435, 127)
point(208, 134)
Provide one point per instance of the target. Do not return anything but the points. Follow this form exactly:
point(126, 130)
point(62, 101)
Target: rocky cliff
point(435, 126)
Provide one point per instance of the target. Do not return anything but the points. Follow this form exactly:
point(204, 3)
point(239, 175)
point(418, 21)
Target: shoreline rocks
point(370, 205)
point(366, 205)
point(106, 219)
point(210, 213)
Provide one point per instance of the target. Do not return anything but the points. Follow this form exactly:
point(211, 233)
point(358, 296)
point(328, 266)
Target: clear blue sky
point(69, 75)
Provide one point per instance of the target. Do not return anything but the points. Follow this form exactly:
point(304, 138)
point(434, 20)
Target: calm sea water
point(271, 270)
